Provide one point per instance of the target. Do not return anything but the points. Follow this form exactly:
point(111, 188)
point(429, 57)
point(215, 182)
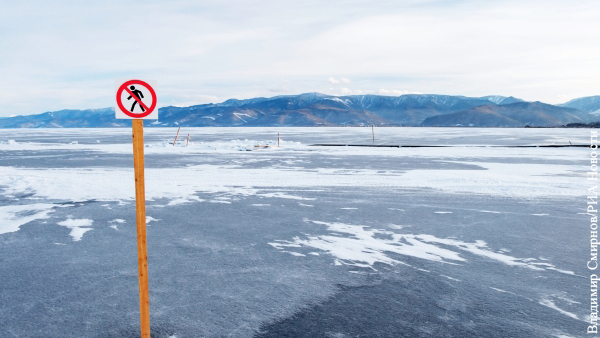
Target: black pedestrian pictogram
point(139, 95)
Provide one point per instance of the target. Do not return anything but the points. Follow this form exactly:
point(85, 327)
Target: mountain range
point(315, 109)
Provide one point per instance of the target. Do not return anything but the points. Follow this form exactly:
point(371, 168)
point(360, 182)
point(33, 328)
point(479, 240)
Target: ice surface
point(418, 218)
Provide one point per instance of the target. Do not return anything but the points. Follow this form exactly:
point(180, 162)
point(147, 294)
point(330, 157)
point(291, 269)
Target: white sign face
point(136, 99)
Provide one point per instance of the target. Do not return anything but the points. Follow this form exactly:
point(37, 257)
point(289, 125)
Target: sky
point(67, 54)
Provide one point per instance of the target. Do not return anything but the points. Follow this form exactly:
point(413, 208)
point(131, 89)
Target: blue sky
point(66, 54)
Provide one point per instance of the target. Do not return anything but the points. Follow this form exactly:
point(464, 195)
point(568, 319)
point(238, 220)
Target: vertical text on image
point(592, 211)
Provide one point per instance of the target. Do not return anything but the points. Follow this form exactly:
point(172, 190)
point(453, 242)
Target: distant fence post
point(175, 142)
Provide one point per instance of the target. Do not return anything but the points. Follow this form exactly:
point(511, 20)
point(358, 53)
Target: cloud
point(395, 92)
point(283, 87)
point(335, 81)
point(348, 91)
point(193, 100)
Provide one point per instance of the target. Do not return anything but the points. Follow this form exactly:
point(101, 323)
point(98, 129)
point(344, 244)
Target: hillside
point(590, 104)
point(518, 114)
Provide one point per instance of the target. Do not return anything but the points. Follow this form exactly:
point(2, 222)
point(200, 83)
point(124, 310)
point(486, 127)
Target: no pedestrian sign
point(136, 99)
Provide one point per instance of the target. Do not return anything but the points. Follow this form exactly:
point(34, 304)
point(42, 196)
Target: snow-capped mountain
point(590, 104)
point(315, 109)
point(518, 114)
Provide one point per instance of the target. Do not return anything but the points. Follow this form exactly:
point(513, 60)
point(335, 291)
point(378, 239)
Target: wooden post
point(187, 141)
point(175, 142)
point(140, 216)
point(278, 140)
point(373, 131)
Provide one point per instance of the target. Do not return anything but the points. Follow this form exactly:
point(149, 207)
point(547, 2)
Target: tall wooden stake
point(277, 139)
point(187, 141)
point(140, 216)
point(175, 142)
point(373, 131)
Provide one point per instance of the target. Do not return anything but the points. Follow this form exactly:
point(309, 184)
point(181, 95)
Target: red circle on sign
point(126, 111)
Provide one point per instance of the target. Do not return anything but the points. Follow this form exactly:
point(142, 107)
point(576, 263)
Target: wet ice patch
point(78, 227)
point(363, 246)
point(13, 216)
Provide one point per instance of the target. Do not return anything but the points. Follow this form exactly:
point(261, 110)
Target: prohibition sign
point(125, 87)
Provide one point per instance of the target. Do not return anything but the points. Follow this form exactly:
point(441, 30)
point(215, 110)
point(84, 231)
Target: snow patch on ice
point(236, 145)
point(78, 227)
point(151, 219)
point(500, 290)
point(451, 278)
point(188, 199)
point(114, 226)
point(361, 245)
point(183, 184)
point(549, 303)
point(287, 196)
point(397, 226)
point(297, 254)
point(13, 216)
point(9, 142)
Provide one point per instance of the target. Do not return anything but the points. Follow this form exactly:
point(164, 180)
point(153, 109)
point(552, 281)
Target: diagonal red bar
point(136, 98)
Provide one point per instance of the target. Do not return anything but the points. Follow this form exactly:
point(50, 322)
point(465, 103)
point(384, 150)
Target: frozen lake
point(296, 240)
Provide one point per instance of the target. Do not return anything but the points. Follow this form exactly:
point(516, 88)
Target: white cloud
point(395, 92)
point(196, 100)
point(348, 91)
point(335, 81)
